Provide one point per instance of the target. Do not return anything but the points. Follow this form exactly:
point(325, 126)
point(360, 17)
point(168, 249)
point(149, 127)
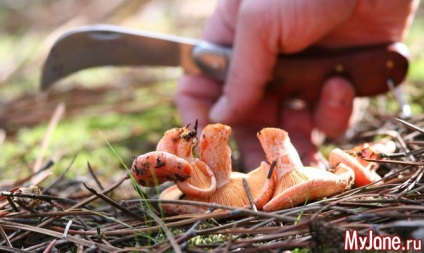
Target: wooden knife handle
point(367, 68)
point(302, 75)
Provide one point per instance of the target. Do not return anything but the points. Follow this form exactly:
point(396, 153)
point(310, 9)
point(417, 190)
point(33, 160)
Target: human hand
point(259, 31)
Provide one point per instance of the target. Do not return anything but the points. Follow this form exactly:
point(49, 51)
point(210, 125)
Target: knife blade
point(295, 75)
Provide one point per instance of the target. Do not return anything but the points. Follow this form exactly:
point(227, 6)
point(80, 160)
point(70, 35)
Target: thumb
point(335, 107)
point(251, 66)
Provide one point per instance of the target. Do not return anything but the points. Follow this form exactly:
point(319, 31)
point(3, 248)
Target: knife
point(295, 75)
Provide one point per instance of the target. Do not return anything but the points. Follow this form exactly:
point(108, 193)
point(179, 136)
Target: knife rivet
point(390, 64)
point(339, 68)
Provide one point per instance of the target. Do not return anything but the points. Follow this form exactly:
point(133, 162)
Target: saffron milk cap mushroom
point(230, 191)
point(173, 161)
point(296, 184)
point(365, 171)
point(181, 142)
point(213, 145)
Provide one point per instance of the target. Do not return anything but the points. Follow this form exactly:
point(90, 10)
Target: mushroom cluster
point(207, 178)
point(280, 182)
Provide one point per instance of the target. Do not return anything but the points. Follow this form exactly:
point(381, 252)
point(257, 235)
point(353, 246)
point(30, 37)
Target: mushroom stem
point(261, 186)
point(201, 183)
point(215, 152)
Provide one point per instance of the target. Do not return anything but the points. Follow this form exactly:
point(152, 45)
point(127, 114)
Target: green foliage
point(209, 239)
point(131, 134)
point(301, 251)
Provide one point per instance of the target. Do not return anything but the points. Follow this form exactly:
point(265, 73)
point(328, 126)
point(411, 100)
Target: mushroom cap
point(365, 171)
point(313, 184)
point(215, 152)
point(178, 141)
point(278, 148)
point(363, 175)
point(157, 167)
point(372, 149)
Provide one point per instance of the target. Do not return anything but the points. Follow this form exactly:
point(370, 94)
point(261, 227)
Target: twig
point(6, 239)
point(13, 250)
point(113, 203)
point(62, 175)
point(233, 210)
point(411, 126)
point(15, 226)
point(190, 233)
point(55, 214)
point(249, 195)
point(57, 115)
point(78, 205)
point(394, 162)
point(46, 198)
point(93, 175)
point(168, 233)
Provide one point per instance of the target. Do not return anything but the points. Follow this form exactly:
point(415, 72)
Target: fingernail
point(340, 94)
point(336, 98)
point(219, 111)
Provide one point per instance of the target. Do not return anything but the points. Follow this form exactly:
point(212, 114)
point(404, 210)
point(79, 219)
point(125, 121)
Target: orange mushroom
point(209, 177)
point(230, 191)
point(365, 172)
point(296, 184)
point(155, 168)
point(173, 160)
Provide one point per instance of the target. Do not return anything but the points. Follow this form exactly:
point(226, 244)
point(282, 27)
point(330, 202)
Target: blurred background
point(128, 107)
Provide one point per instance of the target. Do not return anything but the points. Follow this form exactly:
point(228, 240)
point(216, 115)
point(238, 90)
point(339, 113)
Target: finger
point(265, 29)
point(195, 96)
point(252, 61)
point(197, 93)
point(334, 109)
point(299, 124)
point(220, 28)
point(265, 114)
point(251, 152)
